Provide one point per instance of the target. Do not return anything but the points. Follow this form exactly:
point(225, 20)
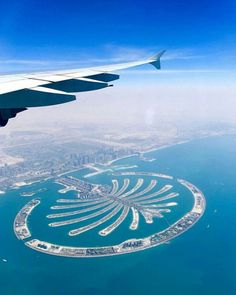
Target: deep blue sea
point(201, 261)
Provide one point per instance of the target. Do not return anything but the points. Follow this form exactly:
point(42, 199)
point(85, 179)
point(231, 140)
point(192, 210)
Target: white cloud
point(107, 54)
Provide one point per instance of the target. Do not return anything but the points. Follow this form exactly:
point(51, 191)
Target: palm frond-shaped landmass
point(147, 199)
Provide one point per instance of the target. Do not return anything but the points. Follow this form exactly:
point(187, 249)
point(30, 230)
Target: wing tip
point(155, 59)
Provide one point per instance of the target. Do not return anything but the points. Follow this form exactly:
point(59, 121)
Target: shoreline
point(21, 184)
point(148, 151)
point(109, 163)
point(166, 146)
point(118, 159)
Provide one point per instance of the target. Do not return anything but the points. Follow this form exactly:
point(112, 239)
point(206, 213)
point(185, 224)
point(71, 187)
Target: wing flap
point(34, 97)
point(77, 85)
point(105, 77)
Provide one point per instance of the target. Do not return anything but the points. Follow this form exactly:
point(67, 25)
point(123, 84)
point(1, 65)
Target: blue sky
point(48, 34)
point(199, 68)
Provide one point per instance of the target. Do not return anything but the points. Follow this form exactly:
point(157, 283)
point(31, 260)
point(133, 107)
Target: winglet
point(155, 59)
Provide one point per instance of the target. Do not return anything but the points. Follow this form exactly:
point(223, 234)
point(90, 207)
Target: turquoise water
point(202, 260)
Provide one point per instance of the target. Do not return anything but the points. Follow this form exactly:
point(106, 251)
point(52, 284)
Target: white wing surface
point(21, 91)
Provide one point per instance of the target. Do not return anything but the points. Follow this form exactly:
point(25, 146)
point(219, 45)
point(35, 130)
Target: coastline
point(166, 146)
point(109, 163)
point(148, 151)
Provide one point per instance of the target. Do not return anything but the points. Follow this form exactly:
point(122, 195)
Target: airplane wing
point(21, 91)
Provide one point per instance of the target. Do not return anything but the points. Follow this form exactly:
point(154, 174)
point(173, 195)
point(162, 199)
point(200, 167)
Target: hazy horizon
point(140, 105)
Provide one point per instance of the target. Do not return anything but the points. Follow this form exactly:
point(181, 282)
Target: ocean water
point(202, 260)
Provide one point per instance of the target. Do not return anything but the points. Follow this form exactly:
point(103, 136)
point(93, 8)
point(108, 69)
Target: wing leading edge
point(19, 92)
